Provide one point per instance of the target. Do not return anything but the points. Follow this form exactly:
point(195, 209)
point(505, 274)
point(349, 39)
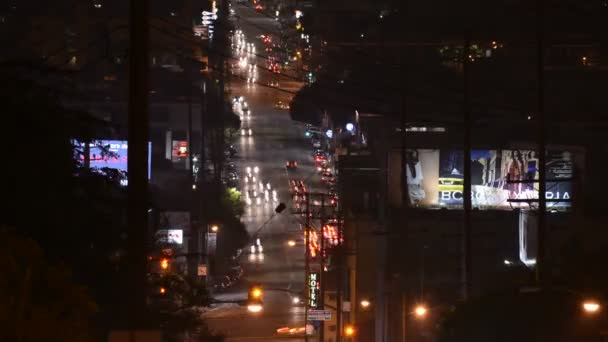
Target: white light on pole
point(350, 127)
point(329, 133)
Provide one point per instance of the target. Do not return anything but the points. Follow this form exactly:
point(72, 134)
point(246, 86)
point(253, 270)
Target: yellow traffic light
point(164, 263)
point(256, 292)
point(349, 330)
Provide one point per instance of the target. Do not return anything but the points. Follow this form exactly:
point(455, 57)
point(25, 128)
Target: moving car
point(320, 157)
point(327, 177)
point(281, 105)
point(291, 164)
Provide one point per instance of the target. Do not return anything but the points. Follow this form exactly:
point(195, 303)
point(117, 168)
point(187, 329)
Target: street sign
point(319, 315)
point(202, 270)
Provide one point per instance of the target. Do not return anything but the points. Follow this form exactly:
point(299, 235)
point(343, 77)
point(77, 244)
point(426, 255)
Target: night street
point(303, 170)
point(280, 268)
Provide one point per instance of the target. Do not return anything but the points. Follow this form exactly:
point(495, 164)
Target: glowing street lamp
point(591, 306)
point(291, 243)
point(365, 303)
point(420, 311)
point(214, 228)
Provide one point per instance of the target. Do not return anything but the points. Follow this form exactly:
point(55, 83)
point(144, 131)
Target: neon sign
point(314, 287)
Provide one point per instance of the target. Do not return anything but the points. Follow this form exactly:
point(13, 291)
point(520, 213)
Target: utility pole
point(221, 38)
point(467, 205)
point(380, 309)
point(203, 155)
point(542, 144)
point(340, 254)
point(307, 266)
point(322, 291)
point(190, 149)
point(404, 186)
point(137, 162)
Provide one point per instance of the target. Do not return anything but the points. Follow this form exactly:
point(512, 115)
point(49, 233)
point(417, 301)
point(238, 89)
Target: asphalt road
point(275, 139)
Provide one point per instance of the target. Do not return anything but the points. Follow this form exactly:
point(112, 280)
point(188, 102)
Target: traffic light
point(256, 293)
point(164, 264)
point(349, 331)
point(254, 302)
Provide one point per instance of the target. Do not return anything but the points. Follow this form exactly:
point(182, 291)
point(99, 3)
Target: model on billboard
point(514, 173)
point(532, 170)
point(414, 178)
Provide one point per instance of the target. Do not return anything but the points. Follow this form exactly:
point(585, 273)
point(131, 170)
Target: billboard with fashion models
point(499, 178)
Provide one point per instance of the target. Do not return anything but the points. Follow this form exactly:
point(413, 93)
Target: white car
point(257, 247)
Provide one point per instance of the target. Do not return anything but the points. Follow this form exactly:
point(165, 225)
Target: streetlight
point(291, 243)
point(591, 306)
point(215, 228)
point(365, 303)
point(420, 311)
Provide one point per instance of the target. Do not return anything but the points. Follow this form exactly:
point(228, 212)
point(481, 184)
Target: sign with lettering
point(319, 315)
point(314, 289)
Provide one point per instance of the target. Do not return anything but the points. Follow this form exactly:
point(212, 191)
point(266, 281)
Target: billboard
point(112, 154)
point(170, 236)
point(172, 226)
point(499, 178)
point(179, 150)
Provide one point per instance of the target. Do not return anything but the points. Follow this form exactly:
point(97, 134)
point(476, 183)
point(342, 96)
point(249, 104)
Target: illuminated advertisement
point(112, 154)
point(170, 236)
point(499, 178)
point(314, 289)
point(179, 150)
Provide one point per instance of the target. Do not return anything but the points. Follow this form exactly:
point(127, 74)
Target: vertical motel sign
point(314, 290)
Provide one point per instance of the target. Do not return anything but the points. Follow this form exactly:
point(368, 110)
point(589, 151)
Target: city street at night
point(275, 139)
point(303, 170)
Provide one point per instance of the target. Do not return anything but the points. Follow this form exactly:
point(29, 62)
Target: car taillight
point(295, 164)
point(287, 164)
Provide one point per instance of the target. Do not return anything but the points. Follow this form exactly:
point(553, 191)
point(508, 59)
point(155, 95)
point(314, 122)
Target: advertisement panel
point(173, 224)
point(170, 236)
point(179, 150)
point(499, 178)
point(112, 154)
